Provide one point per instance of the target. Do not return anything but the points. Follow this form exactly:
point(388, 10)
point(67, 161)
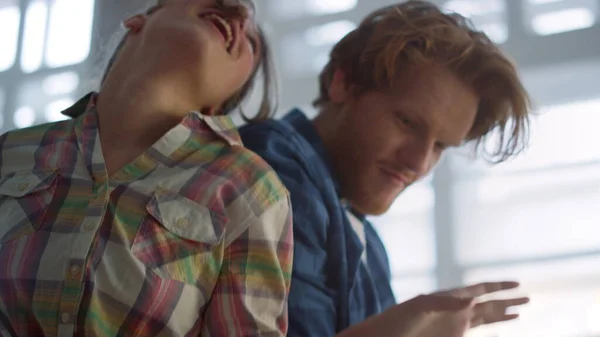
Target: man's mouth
point(397, 177)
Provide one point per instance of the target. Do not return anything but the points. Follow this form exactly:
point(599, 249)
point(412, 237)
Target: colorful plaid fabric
point(192, 238)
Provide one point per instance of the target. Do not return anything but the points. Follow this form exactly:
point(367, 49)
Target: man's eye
point(404, 120)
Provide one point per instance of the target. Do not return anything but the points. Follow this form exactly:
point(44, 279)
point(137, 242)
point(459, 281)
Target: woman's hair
point(374, 55)
point(265, 68)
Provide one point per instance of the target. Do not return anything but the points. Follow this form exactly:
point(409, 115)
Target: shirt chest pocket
point(181, 240)
point(24, 201)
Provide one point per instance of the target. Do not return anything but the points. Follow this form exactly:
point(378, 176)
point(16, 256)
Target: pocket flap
point(186, 218)
point(22, 183)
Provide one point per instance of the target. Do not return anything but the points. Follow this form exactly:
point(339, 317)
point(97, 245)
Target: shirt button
point(65, 317)
point(182, 223)
point(89, 226)
point(75, 270)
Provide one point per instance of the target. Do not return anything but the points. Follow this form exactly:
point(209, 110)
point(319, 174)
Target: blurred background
point(533, 219)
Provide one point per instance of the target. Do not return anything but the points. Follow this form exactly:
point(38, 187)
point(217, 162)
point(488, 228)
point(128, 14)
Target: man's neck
point(325, 124)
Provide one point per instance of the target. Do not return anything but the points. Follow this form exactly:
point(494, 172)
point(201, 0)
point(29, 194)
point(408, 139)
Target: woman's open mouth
point(223, 26)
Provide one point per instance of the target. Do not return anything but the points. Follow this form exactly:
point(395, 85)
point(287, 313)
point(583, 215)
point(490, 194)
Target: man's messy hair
point(414, 33)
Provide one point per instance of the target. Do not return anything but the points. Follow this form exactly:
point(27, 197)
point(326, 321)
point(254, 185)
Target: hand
point(422, 316)
point(437, 316)
point(490, 311)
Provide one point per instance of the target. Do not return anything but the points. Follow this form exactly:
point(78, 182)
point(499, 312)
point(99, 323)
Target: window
point(67, 38)
point(565, 298)
point(547, 196)
point(46, 96)
point(24, 117)
point(10, 17)
point(305, 54)
point(69, 32)
point(56, 40)
point(61, 83)
point(488, 16)
point(1, 110)
point(53, 111)
point(560, 135)
point(535, 219)
point(328, 34)
point(292, 9)
point(408, 235)
point(409, 238)
point(548, 17)
point(34, 36)
point(557, 210)
point(406, 287)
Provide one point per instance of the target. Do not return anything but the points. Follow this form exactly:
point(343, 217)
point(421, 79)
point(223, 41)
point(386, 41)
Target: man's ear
point(338, 89)
point(135, 23)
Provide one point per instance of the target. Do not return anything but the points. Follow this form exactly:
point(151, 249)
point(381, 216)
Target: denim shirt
point(332, 288)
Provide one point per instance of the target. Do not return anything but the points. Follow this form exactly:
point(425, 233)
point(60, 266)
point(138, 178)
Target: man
point(407, 84)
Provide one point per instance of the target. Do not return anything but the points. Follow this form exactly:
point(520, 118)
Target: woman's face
point(203, 50)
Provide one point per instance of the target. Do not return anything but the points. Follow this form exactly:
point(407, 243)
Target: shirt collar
point(305, 127)
point(192, 134)
point(221, 125)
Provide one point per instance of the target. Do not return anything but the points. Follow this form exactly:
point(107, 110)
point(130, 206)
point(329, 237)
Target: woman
point(144, 215)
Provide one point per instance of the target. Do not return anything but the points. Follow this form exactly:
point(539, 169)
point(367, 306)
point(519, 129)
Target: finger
point(504, 304)
point(479, 289)
point(485, 288)
point(495, 311)
point(477, 321)
point(436, 303)
point(511, 302)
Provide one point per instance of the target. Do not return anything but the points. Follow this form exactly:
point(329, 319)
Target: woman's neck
point(132, 115)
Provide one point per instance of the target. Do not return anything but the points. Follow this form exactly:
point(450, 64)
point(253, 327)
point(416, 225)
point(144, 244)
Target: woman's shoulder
point(21, 148)
point(256, 180)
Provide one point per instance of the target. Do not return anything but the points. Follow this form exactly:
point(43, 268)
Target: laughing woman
point(144, 215)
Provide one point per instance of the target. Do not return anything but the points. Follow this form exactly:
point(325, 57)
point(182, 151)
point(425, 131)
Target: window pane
point(10, 18)
point(409, 241)
point(34, 35)
point(53, 111)
point(328, 34)
point(60, 84)
point(576, 143)
point(560, 135)
point(24, 117)
point(407, 231)
point(406, 288)
point(305, 54)
point(535, 215)
point(290, 9)
point(488, 16)
point(69, 32)
point(565, 298)
point(554, 17)
point(47, 96)
point(1, 110)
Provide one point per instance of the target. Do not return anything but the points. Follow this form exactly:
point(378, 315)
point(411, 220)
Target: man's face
point(385, 141)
